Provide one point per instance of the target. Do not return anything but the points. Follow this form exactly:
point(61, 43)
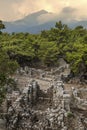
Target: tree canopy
point(2, 26)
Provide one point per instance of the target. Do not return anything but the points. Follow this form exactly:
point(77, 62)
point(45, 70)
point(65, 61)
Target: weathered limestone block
point(2, 124)
point(58, 92)
point(60, 117)
point(64, 128)
point(66, 99)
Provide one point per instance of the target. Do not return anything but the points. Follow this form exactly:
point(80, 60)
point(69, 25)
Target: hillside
point(32, 23)
point(43, 79)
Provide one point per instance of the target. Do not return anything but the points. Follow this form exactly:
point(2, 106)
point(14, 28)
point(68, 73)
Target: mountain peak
point(35, 14)
point(43, 11)
point(40, 12)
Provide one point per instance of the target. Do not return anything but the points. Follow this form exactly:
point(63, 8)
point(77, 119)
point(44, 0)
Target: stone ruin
point(53, 109)
point(34, 109)
point(77, 100)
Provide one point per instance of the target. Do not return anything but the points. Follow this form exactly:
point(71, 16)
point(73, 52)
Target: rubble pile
point(56, 108)
point(77, 101)
point(26, 113)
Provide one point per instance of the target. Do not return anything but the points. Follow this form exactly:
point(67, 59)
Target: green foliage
point(76, 55)
point(7, 68)
point(2, 26)
point(48, 53)
point(70, 115)
point(46, 48)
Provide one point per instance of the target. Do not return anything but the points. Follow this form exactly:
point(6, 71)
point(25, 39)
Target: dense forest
point(44, 49)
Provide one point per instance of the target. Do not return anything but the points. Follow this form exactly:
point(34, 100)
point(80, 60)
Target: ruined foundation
point(53, 109)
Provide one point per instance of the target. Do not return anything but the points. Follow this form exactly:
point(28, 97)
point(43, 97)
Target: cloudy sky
point(11, 10)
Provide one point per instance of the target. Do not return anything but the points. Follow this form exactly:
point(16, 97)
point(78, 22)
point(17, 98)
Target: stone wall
point(53, 109)
point(77, 101)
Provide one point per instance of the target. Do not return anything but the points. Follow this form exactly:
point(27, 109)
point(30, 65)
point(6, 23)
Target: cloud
point(16, 9)
point(68, 10)
point(68, 14)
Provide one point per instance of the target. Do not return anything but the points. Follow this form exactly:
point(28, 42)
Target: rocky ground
point(45, 101)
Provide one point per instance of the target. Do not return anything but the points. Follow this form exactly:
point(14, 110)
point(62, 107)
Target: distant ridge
point(30, 23)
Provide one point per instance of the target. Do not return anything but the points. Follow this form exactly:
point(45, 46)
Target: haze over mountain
point(43, 20)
